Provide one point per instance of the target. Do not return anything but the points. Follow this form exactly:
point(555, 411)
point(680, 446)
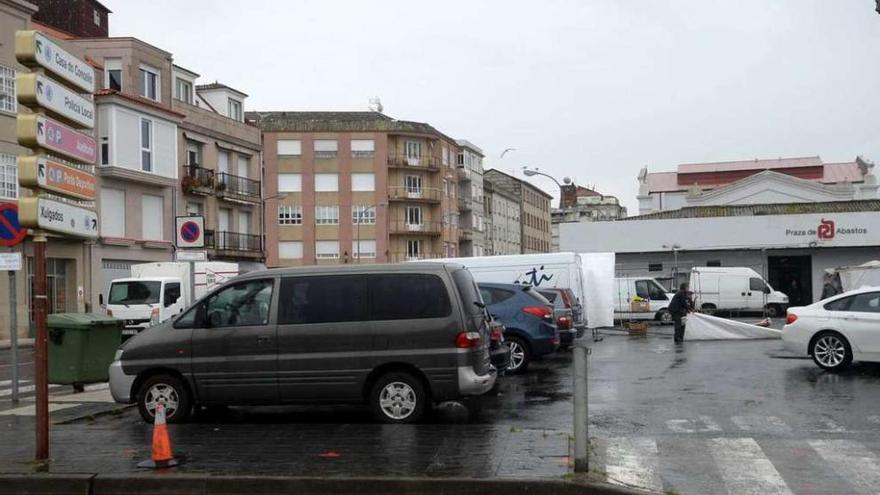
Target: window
point(413, 248)
point(172, 294)
point(327, 249)
point(151, 217)
point(326, 182)
point(193, 154)
point(839, 304)
point(445, 155)
point(868, 302)
point(8, 99)
point(363, 182)
point(105, 151)
point(414, 184)
point(96, 17)
point(194, 208)
point(310, 300)
point(134, 293)
point(364, 248)
point(658, 293)
point(244, 163)
point(290, 215)
point(642, 289)
point(325, 148)
point(404, 296)
point(494, 296)
point(290, 250)
point(413, 215)
point(243, 304)
point(468, 291)
point(756, 284)
point(655, 267)
point(8, 176)
point(362, 148)
point(413, 150)
point(289, 147)
point(327, 215)
point(149, 83)
point(112, 212)
point(713, 263)
point(289, 182)
point(146, 145)
point(183, 90)
point(363, 214)
point(234, 109)
point(223, 162)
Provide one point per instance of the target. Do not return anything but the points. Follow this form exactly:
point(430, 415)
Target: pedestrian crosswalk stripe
point(853, 461)
point(764, 424)
point(633, 462)
point(705, 424)
point(744, 467)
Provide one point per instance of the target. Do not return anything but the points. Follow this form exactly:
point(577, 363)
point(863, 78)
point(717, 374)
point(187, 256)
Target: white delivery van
point(647, 289)
point(550, 270)
point(158, 291)
point(733, 288)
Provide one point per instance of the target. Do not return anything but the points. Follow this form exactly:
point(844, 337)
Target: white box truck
point(734, 288)
point(158, 291)
point(649, 291)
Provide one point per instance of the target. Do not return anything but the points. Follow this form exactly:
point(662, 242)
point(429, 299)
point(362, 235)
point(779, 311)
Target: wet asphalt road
point(703, 417)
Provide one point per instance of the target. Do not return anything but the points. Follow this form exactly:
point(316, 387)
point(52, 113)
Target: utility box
point(81, 347)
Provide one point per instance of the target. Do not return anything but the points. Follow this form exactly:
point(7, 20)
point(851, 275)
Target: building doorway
point(792, 275)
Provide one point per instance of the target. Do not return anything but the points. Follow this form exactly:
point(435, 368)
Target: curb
point(173, 484)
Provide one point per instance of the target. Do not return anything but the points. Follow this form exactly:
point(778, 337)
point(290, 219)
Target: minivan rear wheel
point(169, 391)
point(398, 397)
point(520, 355)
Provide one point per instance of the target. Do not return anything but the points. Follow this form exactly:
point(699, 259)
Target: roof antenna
point(376, 105)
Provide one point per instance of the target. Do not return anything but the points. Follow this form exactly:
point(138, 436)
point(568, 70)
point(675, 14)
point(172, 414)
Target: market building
point(789, 228)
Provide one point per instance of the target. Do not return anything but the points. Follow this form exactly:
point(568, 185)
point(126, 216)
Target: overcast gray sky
point(592, 89)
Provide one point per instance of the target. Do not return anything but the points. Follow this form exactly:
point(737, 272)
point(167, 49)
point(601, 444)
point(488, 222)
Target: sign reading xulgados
point(55, 216)
point(48, 174)
point(36, 49)
point(43, 132)
point(56, 98)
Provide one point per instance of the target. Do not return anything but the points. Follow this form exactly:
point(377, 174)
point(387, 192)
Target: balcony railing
point(237, 188)
point(197, 180)
point(422, 162)
point(404, 227)
point(233, 241)
point(402, 193)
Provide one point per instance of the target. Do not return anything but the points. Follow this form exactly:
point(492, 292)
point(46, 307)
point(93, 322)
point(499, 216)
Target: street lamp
point(674, 248)
point(360, 219)
point(531, 172)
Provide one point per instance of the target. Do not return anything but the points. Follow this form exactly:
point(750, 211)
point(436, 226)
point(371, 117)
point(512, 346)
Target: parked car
point(528, 321)
point(398, 337)
point(562, 315)
point(837, 330)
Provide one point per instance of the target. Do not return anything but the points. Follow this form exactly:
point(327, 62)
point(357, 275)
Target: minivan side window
point(239, 305)
point(756, 284)
point(405, 296)
point(172, 293)
point(657, 292)
point(642, 289)
point(323, 299)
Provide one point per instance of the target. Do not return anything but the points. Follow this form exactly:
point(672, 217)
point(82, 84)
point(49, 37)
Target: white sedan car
point(837, 330)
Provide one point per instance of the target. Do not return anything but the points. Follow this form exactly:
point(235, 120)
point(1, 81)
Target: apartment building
point(584, 204)
point(503, 223)
point(356, 187)
point(220, 166)
point(472, 237)
point(534, 208)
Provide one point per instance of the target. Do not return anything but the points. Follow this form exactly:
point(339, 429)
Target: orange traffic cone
point(161, 456)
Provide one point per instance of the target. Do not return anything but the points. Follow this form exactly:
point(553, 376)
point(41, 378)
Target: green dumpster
point(81, 347)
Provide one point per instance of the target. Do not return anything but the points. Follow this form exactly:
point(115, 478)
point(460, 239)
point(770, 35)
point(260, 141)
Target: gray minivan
point(398, 337)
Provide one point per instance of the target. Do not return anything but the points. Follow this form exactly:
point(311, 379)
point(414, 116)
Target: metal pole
point(360, 219)
point(581, 417)
point(41, 361)
point(192, 282)
point(13, 333)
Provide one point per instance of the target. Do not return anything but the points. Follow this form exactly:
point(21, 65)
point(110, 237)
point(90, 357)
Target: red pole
point(41, 348)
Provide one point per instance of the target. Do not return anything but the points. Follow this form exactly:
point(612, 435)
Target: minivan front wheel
point(520, 356)
point(167, 390)
point(398, 398)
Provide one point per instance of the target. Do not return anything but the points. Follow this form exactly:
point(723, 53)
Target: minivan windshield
point(134, 292)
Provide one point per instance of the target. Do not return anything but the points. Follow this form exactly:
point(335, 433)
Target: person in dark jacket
point(678, 308)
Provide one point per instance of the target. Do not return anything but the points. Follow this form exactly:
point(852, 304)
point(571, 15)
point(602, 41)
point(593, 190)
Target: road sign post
point(13, 333)
point(52, 92)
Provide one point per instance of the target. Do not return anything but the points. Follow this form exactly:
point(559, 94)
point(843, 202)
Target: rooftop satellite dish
point(376, 105)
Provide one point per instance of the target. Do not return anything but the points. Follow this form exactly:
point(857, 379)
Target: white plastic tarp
point(704, 327)
point(598, 280)
point(856, 277)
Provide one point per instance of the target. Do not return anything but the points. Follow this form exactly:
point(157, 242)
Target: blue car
point(528, 320)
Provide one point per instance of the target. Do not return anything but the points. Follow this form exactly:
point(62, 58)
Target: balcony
point(424, 228)
point(464, 174)
point(423, 195)
point(414, 162)
point(234, 244)
point(404, 257)
point(237, 189)
point(197, 180)
point(465, 234)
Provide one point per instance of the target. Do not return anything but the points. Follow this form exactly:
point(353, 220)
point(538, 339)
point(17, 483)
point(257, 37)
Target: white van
point(732, 288)
point(547, 271)
point(630, 289)
point(158, 291)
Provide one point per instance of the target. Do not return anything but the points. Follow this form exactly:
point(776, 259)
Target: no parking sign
point(191, 232)
point(11, 232)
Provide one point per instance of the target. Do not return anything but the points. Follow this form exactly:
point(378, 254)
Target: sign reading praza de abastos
point(33, 48)
point(827, 230)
